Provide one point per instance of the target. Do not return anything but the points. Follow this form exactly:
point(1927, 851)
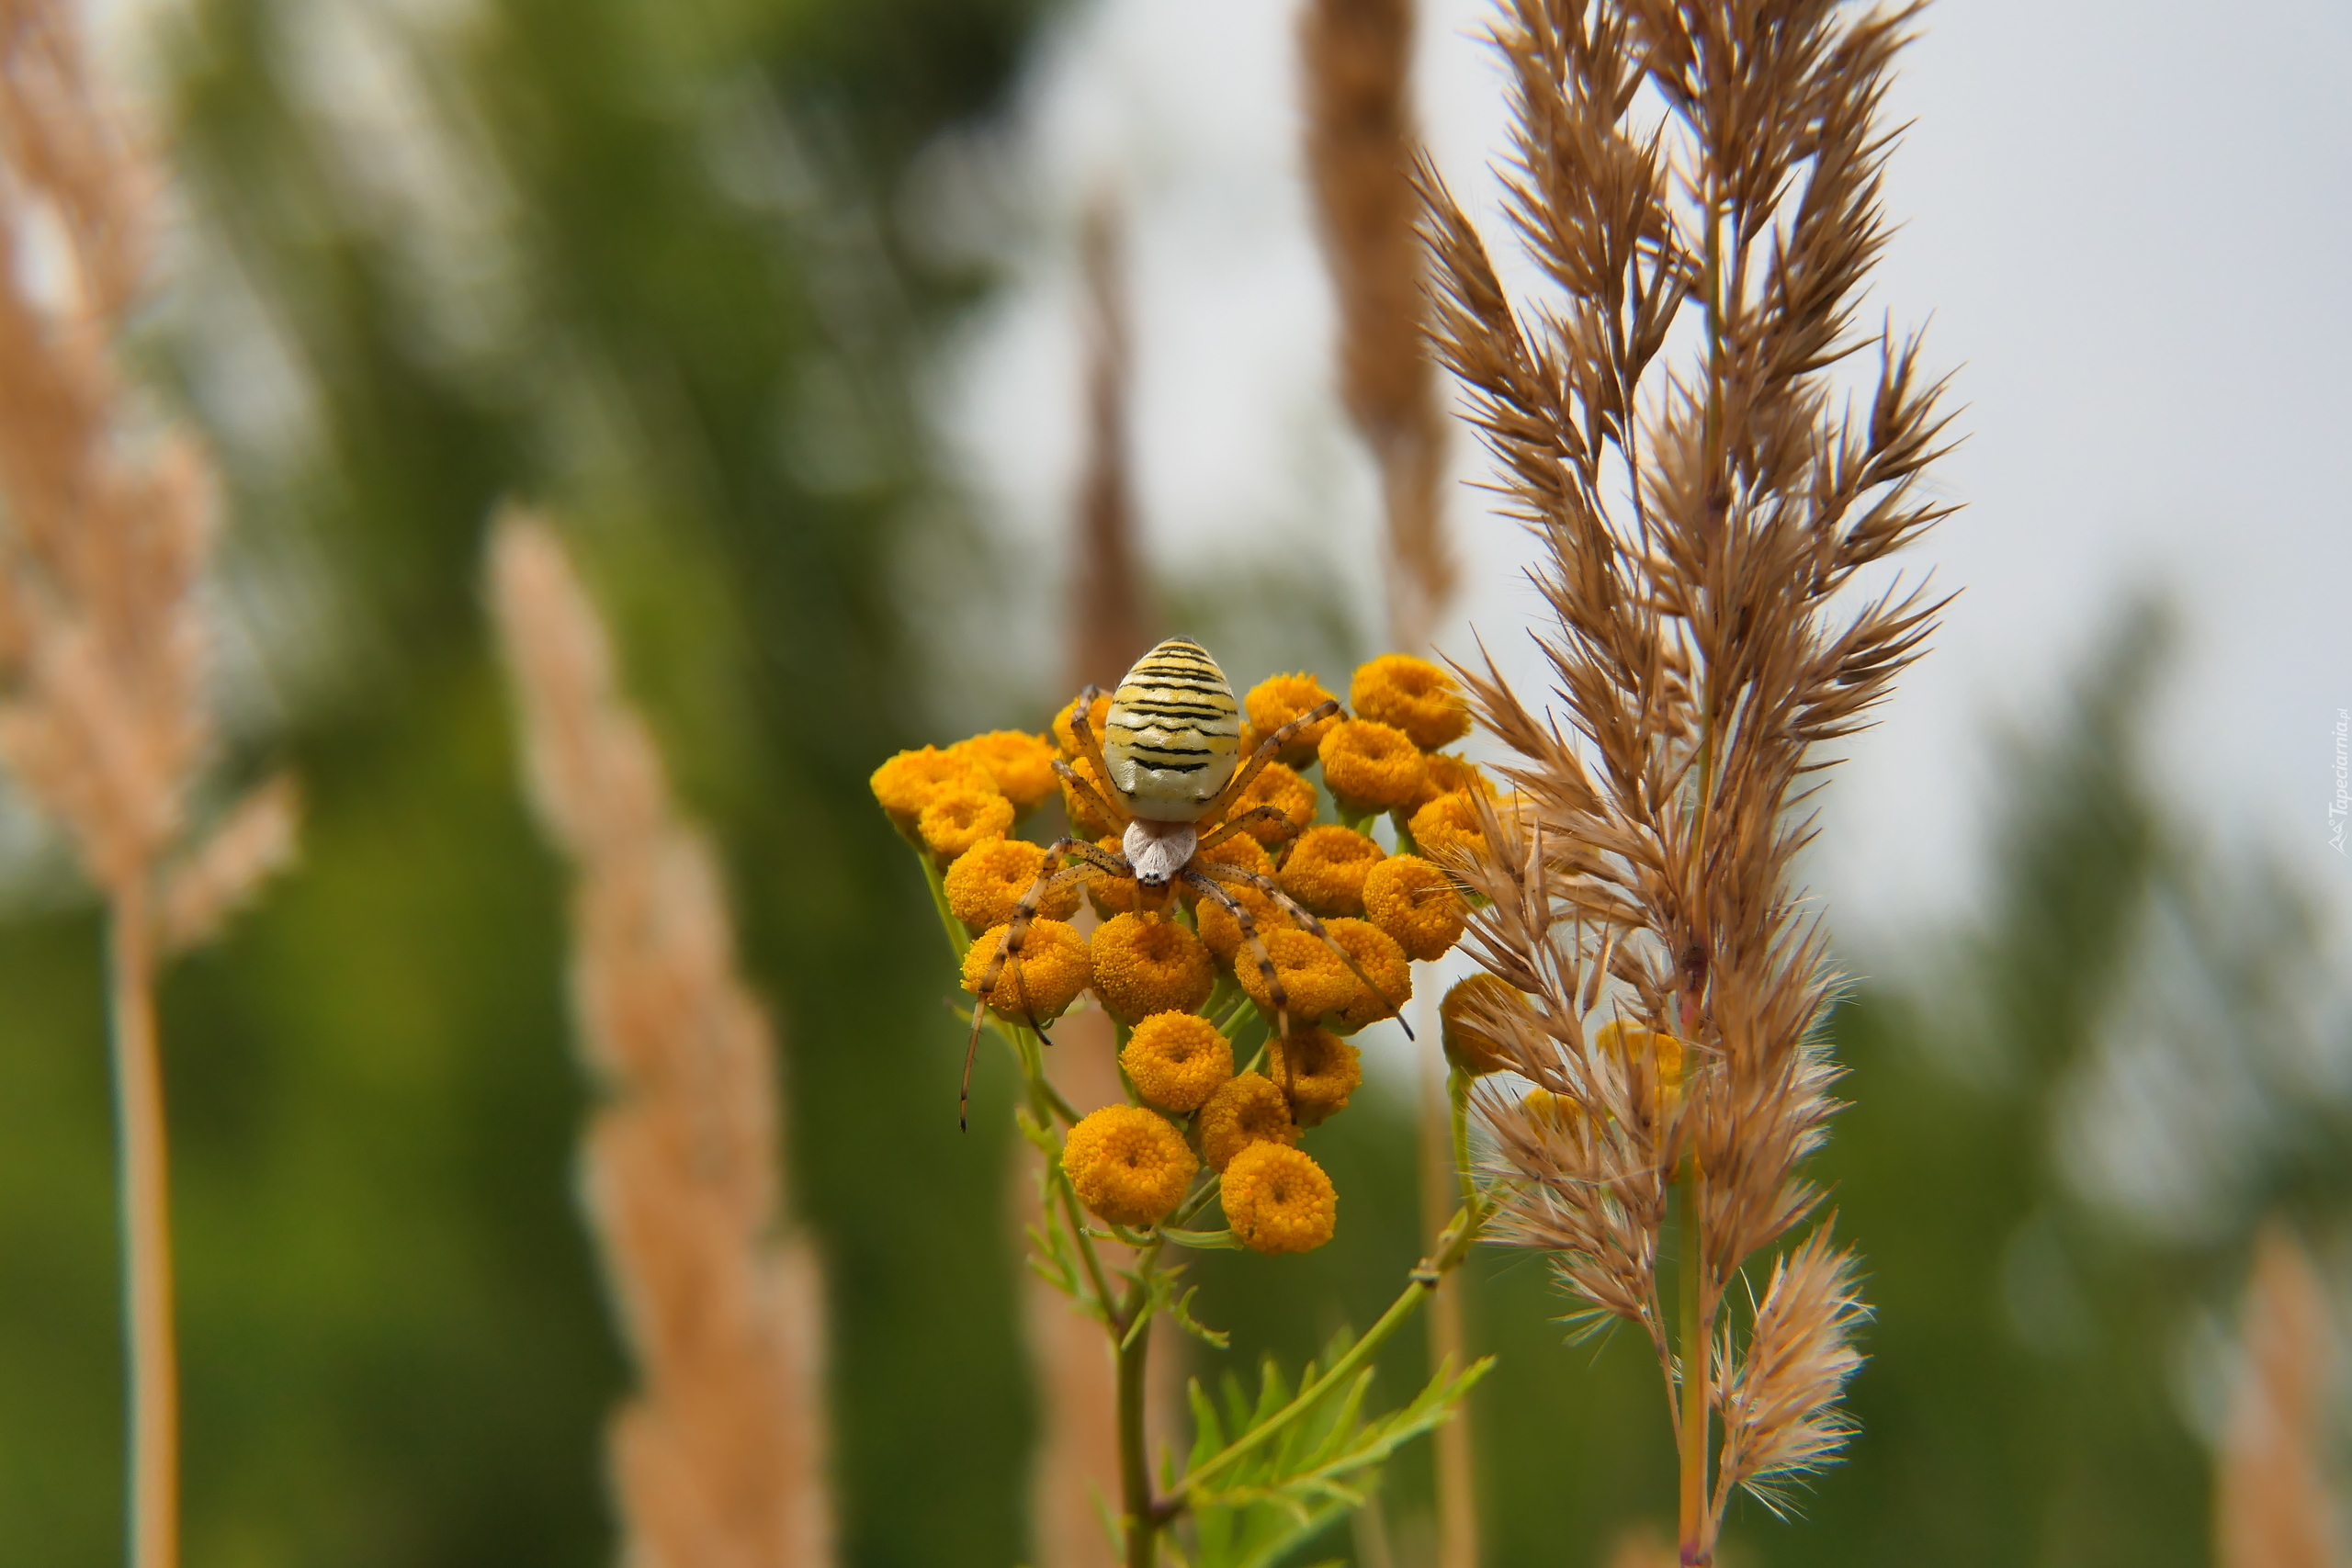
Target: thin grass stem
point(153, 1372)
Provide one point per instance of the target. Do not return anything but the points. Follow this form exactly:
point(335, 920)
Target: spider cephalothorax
point(1169, 752)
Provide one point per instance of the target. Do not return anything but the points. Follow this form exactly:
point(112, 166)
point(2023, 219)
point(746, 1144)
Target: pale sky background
point(2130, 221)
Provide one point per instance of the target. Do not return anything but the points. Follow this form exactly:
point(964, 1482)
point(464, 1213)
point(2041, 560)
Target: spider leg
point(1089, 747)
point(1114, 816)
point(1226, 871)
point(1267, 751)
point(1240, 824)
point(1052, 875)
point(1258, 955)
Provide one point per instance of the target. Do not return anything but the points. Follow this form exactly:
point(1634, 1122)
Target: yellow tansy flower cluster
point(1338, 917)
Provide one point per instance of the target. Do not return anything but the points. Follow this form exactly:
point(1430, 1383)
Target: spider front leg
point(1116, 817)
point(1240, 825)
point(1089, 747)
point(1227, 871)
point(1202, 883)
point(1052, 875)
point(1268, 750)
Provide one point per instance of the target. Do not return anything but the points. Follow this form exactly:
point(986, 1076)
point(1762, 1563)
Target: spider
point(1170, 743)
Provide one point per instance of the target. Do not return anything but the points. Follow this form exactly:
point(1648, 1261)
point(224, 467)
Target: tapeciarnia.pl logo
point(2341, 806)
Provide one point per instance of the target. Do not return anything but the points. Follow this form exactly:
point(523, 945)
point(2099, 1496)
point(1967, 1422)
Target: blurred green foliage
point(652, 274)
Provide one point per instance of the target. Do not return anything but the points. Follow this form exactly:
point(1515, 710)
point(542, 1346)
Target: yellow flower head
point(1111, 895)
point(1417, 904)
point(1377, 954)
point(1315, 979)
point(1128, 1166)
point(1246, 1109)
point(1086, 819)
point(1448, 827)
point(906, 783)
point(957, 818)
point(1316, 1071)
point(1281, 788)
point(1371, 766)
point(1630, 1043)
point(1278, 1200)
point(1561, 1112)
point(1278, 699)
point(1176, 1060)
point(1222, 932)
point(1242, 851)
point(1148, 964)
point(1469, 1045)
point(1021, 763)
point(1413, 695)
point(1443, 773)
point(988, 880)
point(1046, 976)
point(1325, 870)
point(1066, 735)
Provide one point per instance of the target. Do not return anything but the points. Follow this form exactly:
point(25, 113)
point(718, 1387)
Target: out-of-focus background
point(776, 301)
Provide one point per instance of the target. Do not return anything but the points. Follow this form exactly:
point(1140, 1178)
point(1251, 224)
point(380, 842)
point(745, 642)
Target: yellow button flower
point(955, 819)
point(1443, 773)
point(1176, 1060)
point(1066, 736)
point(1111, 895)
point(1242, 851)
point(1046, 976)
point(1247, 1110)
point(988, 880)
point(1417, 904)
point(1325, 870)
point(1314, 978)
point(1282, 788)
point(1316, 1071)
point(1278, 1200)
point(1148, 963)
point(1377, 954)
point(1278, 699)
point(1222, 932)
point(1021, 763)
point(1448, 827)
point(1128, 1166)
point(906, 783)
point(1632, 1042)
point(1370, 766)
point(1470, 1044)
point(1560, 1112)
point(1413, 695)
point(1085, 819)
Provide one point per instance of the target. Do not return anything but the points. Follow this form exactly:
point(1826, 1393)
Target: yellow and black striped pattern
point(1174, 733)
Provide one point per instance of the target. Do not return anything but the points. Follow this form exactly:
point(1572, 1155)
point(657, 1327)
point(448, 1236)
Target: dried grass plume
point(719, 1458)
point(2272, 1505)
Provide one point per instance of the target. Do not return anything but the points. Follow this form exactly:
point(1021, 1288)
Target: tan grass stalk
point(1074, 1475)
point(1355, 61)
point(718, 1461)
point(103, 720)
point(2272, 1503)
point(1701, 531)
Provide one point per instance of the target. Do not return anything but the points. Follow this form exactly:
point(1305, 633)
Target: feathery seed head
point(1325, 870)
point(1247, 1108)
point(1048, 974)
point(1370, 766)
point(1411, 694)
point(1417, 904)
point(1276, 700)
point(1316, 1071)
point(1020, 765)
point(1148, 963)
point(1127, 1164)
point(986, 882)
point(1278, 1200)
point(1176, 1060)
point(906, 783)
point(959, 816)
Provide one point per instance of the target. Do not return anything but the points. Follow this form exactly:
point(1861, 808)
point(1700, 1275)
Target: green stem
point(1140, 1515)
